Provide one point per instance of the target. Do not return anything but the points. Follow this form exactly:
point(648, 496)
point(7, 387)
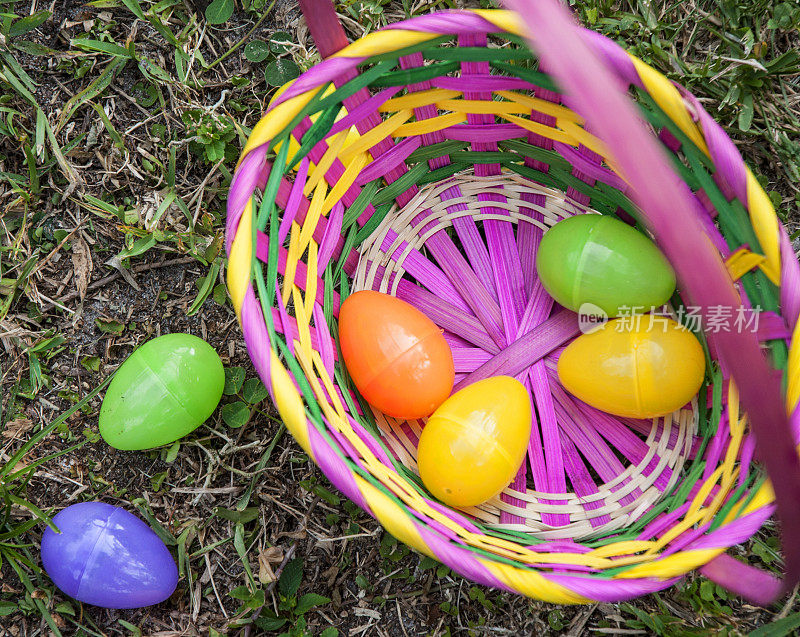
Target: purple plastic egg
point(108, 557)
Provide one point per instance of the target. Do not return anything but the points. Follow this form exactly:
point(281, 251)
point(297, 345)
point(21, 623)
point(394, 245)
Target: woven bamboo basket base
point(587, 473)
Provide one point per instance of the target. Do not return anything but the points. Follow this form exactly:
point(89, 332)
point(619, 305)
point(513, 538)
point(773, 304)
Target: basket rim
point(276, 376)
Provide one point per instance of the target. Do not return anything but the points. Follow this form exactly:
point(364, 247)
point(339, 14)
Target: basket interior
point(431, 172)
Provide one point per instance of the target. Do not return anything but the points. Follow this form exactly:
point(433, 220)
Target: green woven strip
point(760, 479)
point(394, 56)
point(302, 383)
point(656, 116)
point(315, 134)
point(374, 221)
point(483, 157)
point(733, 499)
point(440, 173)
point(400, 185)
point(269, 210)
point(412, 76)
point(529, 75)
point(477, 54)
point(562, 180)
point(360, 204)
point(312, 107)
point(356, 84)
point(426, 153)
point(327, 302)
point(549, 157)
point(349, 243)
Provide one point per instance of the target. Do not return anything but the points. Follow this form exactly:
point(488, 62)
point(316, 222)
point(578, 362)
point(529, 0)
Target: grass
point(120, 121)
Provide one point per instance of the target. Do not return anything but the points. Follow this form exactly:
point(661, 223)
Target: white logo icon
point(591, 317)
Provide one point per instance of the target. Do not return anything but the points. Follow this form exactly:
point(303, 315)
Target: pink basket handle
point(597, 94)
point(594, 92)
point(324, 26)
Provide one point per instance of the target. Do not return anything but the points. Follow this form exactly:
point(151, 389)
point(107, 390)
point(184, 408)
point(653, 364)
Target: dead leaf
point(266, 558)
point(265, 573)
point(17, 427)
point(115, 263)
point(82, 263)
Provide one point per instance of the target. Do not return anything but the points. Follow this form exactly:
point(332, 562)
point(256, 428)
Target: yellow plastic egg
point(474, 443)
point(635, 369)
point(294, 146)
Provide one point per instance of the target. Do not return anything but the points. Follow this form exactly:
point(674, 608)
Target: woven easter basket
point(428, 159)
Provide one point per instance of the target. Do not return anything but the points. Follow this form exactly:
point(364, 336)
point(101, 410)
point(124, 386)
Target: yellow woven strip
point(331, 389)
point(335, 413)
point(289, 403)
point(415, 100)
point(306, 356)
point(311, 280)
point(392, 517)
point(481, 107)
point(312, 217)
point(742, 261)
point(728, 478)
point(737, 428)
point(669, 99)
point(704, 491)
point(672, 565)
point(274, 121)
point(793, 371)
point(376, 134)
point(344, 182)
point(337, 142)
point(240, 259)
point(379, 42)
point(505, 20)
point(543, 106)
point(688, 521)
point(765, 224)
point(292, 257)
point(533, 584)
point(587, 139)
point(430, 125)
point(621, 548)
point(303, 324)
point(542, 129)
point(764, 496)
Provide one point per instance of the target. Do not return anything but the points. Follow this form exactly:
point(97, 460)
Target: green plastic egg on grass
point(600, 260)
point(166, 389)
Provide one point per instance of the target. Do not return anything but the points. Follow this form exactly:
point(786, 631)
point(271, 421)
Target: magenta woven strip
point(335, 469)
point(388, 161)
point(459, 560)
point(368, 106)
point(293, 203)
point(611, 590)
point(600, 456)
point(330, 238)
point(242, 186)
point(590, 167)
point(483, 133)
point(556, 330)
point(447, 316)
point(790, 281)
point(581, 479)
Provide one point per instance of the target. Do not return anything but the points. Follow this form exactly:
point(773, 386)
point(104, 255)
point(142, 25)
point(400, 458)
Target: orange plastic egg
point(395, 354)
point(474, 444)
